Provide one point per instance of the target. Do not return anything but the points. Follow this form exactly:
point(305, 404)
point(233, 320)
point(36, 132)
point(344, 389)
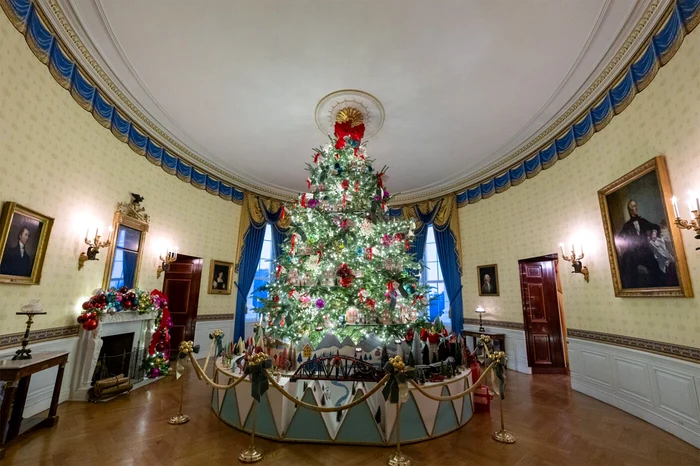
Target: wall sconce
point(94, 247)
point(481, 311)
point(694, 223)
point(170, 257)
point(575, 261)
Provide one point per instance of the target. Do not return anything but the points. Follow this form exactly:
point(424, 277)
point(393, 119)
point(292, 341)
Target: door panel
point(545, 352)
point(181, 285)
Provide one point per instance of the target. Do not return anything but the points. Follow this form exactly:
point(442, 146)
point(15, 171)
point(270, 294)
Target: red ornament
point(276, 298)
point(345, 184)
point(127, 304)
point(409, 335)
point(345, 282)
point(160, 346)
point(82, 318)
point(90, 324)
point(86, 305)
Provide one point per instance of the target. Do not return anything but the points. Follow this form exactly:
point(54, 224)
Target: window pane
point(128, 238)
point(432, 272)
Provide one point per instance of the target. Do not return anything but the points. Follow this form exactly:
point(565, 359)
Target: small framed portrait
point(24, 236)
point(644, 245)
point(220, 277)
point(488, 280)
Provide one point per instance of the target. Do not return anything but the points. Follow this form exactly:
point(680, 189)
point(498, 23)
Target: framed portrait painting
point(220, 277)
point(24, 236)
point(645, 249)
point(488, 280)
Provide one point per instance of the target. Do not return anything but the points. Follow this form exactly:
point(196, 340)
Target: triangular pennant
point(276, 401)
point(229, 409)
point(359, 426)
point(466, 410)
point(457, 387)
point(264, 420)
point(308, 424)
point(412, 427)
point(427, 407)
point(245, 400)
point(446, 417)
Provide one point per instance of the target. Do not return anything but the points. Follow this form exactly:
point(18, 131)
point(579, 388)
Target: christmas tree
point(345, 266)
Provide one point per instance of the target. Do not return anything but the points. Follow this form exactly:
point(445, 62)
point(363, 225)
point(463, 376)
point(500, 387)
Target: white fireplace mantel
point(90, 344)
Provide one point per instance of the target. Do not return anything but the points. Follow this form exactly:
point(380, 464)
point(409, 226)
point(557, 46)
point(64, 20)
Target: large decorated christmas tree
point(345, 267)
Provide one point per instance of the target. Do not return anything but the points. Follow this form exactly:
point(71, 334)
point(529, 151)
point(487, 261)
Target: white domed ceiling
point(463, 83)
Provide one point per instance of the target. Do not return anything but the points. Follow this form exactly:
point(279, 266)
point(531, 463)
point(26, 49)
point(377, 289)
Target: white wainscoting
point(515, 346)
point(661, 390)
point(205, 327)
point(42, 383)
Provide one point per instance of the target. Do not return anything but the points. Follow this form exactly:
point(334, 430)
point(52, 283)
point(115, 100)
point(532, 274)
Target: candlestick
point(674, 201)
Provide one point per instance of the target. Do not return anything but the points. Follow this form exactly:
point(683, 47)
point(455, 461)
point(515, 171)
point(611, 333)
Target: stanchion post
point(503, 435)
point(180, 418)
point(252, 454)
point(398, 458)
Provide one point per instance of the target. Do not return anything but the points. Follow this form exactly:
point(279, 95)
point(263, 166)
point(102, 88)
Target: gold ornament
point(186, 347)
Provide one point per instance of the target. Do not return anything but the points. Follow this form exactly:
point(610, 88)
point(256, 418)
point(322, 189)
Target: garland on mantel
point(114, 300)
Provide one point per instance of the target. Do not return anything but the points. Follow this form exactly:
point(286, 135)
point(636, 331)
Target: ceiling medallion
point(349, 105)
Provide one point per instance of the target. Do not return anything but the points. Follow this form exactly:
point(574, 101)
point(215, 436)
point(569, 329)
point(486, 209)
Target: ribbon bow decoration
point(256, 367)
point(500, 370)
point(218, 336)
point(397, 386)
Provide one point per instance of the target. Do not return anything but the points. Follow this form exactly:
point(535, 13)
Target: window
point(265, 272)
point(432, 276)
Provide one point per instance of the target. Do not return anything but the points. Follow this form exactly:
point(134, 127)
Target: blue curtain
point(446, 244)
point(248, 265)
point(279, 234)
point(129, 267)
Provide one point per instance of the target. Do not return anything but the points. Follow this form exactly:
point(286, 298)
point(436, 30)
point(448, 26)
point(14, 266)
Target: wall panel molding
point(661, 390)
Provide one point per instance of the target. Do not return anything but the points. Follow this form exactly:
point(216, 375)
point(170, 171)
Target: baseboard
point(660, 390)
point(42, 383)
point(516, 350)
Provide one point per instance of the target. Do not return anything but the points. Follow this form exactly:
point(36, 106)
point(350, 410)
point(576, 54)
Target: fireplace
point(118, 345)
point(116, 357)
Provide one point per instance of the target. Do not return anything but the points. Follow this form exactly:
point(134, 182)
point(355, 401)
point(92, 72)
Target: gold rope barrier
point(471, 389)
point(202, 376)
point(284, 393)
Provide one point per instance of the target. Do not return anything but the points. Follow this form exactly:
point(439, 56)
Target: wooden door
point(543, 330)
point(181, 286)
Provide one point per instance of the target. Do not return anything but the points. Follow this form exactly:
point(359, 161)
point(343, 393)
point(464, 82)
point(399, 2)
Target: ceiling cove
point(619, 47)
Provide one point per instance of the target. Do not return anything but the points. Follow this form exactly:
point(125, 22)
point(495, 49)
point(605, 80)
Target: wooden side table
point(499, 338)
point(16, 375)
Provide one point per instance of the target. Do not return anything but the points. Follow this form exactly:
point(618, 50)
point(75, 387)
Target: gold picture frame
point(24, 237)
point(220, 277)
point(492, 271)
point(645, 248)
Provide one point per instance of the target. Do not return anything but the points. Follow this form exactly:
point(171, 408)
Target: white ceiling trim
point(67, 22)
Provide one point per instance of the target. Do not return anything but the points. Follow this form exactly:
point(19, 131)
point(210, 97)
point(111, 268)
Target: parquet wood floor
point(553, 426)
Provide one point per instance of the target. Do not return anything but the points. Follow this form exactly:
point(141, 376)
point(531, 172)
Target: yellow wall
point(54, 158)
point(561, 203)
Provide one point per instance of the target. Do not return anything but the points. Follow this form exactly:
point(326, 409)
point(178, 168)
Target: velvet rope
point(458, 395)
point(202, 376)
point(321, 409)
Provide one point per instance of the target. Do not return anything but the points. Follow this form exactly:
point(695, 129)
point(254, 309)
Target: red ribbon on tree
point(303, 200)
point(320, 255)
point(308, 183)
point(346, 129)
point(357, 186)
point(316, 157)
point(369, 253)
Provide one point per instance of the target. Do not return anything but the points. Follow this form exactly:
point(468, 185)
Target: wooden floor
point(553, 426)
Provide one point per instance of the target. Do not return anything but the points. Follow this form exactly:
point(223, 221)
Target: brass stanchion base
point(178, 419)
point(252, 454)
point(399, 459)
point(503, 436)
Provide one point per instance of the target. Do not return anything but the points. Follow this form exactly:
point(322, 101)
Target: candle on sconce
point(674, 201)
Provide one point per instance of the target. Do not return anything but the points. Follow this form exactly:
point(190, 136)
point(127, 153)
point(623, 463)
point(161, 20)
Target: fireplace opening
point(119, 356)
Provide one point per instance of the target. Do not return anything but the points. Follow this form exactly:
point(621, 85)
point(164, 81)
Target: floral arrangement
point(435, 334)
